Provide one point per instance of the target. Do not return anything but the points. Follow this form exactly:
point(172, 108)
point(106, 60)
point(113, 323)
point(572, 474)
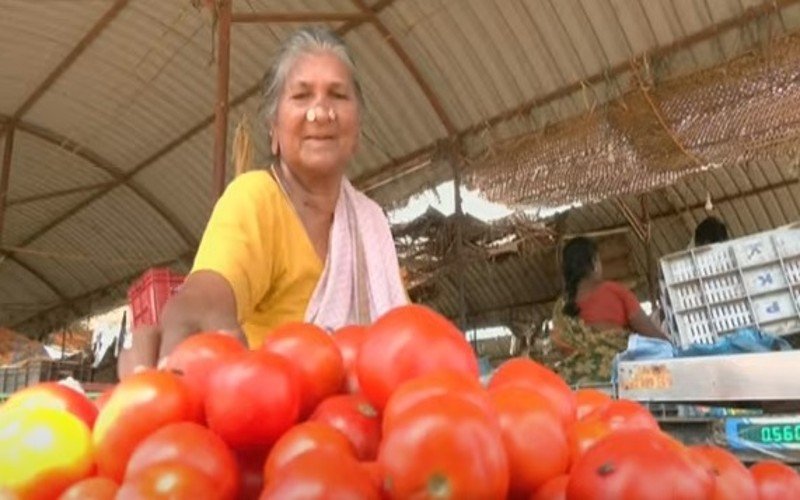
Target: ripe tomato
point(93, 488)
point(102, 399)
point(525, 373)
point(375, 474)
point(197, 357)
point(253, 400)
point(733, 480)
point(534, 439)
point(775, 480)
point(434, 384)
point(554, 489)
point(624, 414)
point(315, 355)
point(321, 474)
point(589, 400)
point(349, 340)
point(444, 447)
point(354, 417)
point(583, 434)
point(636, 464)
point(141, 404)
point(193, 445)
point(301, 439)
point(42, 452)
point(408, 342)
point(169, 481)
point(55, 396)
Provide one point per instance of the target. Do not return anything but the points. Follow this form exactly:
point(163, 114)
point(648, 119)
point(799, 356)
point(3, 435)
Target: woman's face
point(317, 122)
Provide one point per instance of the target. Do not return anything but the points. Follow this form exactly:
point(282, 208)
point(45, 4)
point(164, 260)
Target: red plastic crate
point(150, 292)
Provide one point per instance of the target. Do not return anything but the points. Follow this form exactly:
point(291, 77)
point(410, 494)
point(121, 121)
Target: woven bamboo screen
point(653, 135)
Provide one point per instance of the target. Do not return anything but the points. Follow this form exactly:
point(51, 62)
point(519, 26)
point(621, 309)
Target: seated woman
point(594, 317)
point(296, 242)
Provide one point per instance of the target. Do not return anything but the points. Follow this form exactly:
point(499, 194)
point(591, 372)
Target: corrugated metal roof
point(134, 108)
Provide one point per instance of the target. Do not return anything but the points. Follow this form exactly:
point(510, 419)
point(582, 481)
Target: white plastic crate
point(753, 281)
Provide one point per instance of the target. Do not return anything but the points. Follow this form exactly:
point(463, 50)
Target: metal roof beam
point(296, 17)
point(401, 53)
point(676, 211)
point(172, 145)
point(81, 304)
point(5, 174)
point(84, 42)
point(394, 168)
point(120, 178)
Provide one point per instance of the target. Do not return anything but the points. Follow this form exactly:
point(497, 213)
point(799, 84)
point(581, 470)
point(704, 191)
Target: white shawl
point(361, 278)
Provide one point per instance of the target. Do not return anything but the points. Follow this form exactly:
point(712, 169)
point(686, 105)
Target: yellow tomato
point(42, 452)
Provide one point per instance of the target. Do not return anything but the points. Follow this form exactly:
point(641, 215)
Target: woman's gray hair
point(306, 40)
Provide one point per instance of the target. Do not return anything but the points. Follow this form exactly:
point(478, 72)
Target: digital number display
point(771, 433)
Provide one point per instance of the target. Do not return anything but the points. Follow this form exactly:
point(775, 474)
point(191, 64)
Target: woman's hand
point(205, 303)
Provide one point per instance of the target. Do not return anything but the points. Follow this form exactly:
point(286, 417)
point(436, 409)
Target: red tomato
point(733, 480)
point(554, 489)
point(637, 464)
point(583, 434)
point(55, 396)
point(775, 480)
point(375, 474)
point(349, 340)
point(253, 400)
point(193, 445)
point(444, 447)
point(102, 399)
point(534, 439)
point(140, 405)
point(315, 355)
point(169, 481)
point(42, 452)
point(624, 414)
point(301, 439)
point(197, 357)
point(322, 474)
point(408, 342)
point(434, 384)
point(93, 488)
point(589, 400)
point(354, 417)
point(525, 373)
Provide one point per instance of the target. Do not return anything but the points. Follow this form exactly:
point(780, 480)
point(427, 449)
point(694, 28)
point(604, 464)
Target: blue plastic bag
point(741, 341)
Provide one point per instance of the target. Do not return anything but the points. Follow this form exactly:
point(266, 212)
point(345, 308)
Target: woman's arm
point(641, 323)
point(205, 302)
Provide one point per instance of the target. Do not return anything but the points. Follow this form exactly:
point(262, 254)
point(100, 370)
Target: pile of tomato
point(392, 410)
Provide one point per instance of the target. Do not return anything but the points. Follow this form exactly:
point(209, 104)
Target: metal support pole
point(650, 261)
point(459, 240)
point(221, 107)
point(5, 175)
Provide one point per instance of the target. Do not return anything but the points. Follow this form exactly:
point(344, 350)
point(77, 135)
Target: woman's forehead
point(316, 67)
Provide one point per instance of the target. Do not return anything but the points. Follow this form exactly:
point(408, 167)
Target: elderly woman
point(591, 322)
point(295, 242)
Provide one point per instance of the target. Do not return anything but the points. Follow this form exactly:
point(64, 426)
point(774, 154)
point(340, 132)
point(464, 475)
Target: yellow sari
point(589, 351)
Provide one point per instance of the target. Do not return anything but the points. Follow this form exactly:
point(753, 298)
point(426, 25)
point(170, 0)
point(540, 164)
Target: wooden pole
point(221, 108)
point(459, 243)
point(652, 272)
point(5, 175)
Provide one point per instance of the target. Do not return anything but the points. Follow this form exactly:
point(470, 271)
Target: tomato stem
point(606, 469)
point(439, 487)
